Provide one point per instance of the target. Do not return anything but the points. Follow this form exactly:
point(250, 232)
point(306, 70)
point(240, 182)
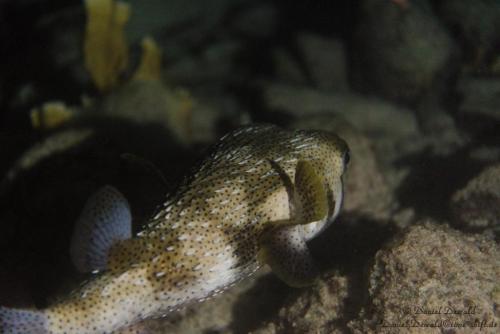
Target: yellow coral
point(150, 66)
point(179, 106)
point(50, 115)
point(105, 48)
point(106, 57)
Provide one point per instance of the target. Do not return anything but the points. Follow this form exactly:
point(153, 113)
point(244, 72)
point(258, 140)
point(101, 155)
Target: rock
point(312, 310)
point(150, 102)
point(286, 67)
point(258, 21)
point(476, 24)
point(372, 116)
point(400, 49)
point(446, 137)
point(433, 269)
point(477, 205)
point(214, 114)
point(213, 65)
point(157, 15)
point(367, 192)
point(480, 97)
point(58, 143)
point(62, 33)
point(488, 154)
point(404, 218)
point(440, 131)
point(325, 61)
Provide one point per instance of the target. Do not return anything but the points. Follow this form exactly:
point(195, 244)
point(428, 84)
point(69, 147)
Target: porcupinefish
point(256, 199)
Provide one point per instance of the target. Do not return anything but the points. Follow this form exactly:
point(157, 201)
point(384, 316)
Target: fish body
point(260, 194)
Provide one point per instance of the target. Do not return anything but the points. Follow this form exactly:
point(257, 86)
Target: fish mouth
point(338, 200)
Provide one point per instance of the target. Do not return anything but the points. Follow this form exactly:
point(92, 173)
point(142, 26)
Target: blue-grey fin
point(17, 321)
point(105, 219)
point(285, 250)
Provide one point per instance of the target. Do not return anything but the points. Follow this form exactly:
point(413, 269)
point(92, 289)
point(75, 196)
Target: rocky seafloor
point(412, 86)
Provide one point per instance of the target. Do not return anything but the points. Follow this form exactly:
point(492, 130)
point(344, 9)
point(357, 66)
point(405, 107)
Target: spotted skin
point(207, 237)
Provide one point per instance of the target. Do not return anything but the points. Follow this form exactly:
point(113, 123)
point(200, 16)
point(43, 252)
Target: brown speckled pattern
point(206, 237)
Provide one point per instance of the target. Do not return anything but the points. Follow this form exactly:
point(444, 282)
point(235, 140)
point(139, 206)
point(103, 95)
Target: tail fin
point(13, 321)
point(105, 219)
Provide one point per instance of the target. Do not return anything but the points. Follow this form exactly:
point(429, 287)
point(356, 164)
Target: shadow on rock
point(259, 304)
point(433, 179)
point(344, 252)
point(349, 245)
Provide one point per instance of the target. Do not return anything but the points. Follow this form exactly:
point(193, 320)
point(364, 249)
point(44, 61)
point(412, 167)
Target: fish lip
point(338, 206)
point(339, 201)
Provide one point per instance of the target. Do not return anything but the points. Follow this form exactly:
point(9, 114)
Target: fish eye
point(347, 158)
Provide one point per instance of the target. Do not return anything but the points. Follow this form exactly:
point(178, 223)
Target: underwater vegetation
point(106, 58)
point(105, 46)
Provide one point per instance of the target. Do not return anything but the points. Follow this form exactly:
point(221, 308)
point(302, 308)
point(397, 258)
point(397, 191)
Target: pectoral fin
point(308, 200)
point(310, 193)
point(286, 252)
point(105, 220)
point(17, 321)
